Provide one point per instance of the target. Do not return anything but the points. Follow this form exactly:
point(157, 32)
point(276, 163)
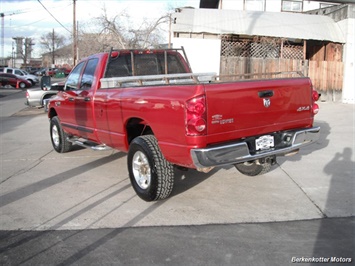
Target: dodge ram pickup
point(149, 104)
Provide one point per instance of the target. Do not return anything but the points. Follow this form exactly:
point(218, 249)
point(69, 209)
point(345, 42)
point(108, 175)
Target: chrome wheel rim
point(141, 170)
point(55, 136)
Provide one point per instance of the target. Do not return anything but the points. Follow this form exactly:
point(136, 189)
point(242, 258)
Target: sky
point(33, 18)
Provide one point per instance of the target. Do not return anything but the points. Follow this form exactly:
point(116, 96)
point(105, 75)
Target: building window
point(254, 5)
point(292, 5)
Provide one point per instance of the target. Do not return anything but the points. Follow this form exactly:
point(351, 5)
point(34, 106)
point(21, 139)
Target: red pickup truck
point(149, 104)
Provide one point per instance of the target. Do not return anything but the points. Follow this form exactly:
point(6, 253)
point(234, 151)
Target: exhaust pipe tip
point(291, 153)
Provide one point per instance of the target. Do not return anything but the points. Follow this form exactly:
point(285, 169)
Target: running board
point(88, 144)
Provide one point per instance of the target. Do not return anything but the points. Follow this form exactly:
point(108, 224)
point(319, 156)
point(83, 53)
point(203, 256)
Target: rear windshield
point(144, 64)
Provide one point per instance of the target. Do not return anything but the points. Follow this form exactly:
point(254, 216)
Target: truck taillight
point(315, 97)
point(315, 108)
point(195, 117)
point(27, 95)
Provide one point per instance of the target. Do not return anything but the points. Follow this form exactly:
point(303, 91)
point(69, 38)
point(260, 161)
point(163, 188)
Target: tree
point(52, 41)
point(148, 35)
point(121, 33)
point(24, 49)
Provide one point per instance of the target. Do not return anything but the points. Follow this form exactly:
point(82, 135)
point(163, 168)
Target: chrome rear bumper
point(239, 152)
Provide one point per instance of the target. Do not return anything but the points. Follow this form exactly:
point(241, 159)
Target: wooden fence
point(326, 76)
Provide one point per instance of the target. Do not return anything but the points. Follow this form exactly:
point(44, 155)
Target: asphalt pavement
point(78, 208)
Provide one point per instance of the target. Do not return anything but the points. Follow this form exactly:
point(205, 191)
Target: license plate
point(264, 142)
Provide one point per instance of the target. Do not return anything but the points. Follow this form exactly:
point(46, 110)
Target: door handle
point(266, 94)
point(71, 99)
point(87, 99)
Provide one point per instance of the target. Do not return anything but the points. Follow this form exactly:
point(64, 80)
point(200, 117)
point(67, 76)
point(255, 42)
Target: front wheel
point(58, 136)
point(254, 168)
point(151, 175)
point(22, 85)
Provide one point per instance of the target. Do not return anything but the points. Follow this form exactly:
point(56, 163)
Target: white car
point(21, 73)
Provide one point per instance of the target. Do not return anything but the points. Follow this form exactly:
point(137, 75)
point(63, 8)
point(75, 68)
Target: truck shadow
point(186, 180)
point(32, 188)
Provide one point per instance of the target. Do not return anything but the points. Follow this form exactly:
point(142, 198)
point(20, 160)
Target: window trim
point(292, 2)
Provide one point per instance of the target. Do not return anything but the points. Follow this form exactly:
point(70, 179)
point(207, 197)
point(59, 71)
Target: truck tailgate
point(251, 108)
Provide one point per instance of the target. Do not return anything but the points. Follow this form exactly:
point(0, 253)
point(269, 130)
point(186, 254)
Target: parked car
point(50, 72)
point(38, 97)
point(40, 72)
point(21, 73)
point(30, 70)
point(33, 70)
point(14, 81)
point(46, 72)
point(63, 70)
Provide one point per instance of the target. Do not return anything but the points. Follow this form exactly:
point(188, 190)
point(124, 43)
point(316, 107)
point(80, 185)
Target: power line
point(54, 17)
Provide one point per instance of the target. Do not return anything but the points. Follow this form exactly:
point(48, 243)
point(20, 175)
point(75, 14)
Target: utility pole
point(2, 34)
point(53, 47)
point(74, 33)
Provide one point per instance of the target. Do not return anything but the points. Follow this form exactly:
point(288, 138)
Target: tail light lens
point(27, 95)
point(195, 117)
point(315, 97)
point(315, 108)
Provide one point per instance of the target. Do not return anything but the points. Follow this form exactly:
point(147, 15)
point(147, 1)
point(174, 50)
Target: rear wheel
point(254, 168)
point(151, 175)
point(58, 136)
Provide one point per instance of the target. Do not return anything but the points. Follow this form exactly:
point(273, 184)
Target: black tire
point(58, 136)
point(253, 168)
point(151, 175)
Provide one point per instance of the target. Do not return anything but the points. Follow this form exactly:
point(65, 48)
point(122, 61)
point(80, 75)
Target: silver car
point(38, 97)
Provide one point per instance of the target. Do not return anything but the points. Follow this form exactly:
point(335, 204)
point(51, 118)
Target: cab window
point(88, 75)
point(144, 64)
point(73, 79)
point(18, 72)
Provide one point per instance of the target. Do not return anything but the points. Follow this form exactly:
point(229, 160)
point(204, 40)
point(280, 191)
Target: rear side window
point(144, 64)
point(88, 75)
point(119, 67)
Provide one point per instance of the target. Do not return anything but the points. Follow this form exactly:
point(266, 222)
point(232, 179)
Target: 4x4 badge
point(267, 102)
